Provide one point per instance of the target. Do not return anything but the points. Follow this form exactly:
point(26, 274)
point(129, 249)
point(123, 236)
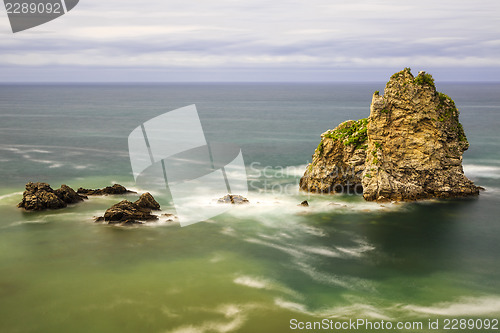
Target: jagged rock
point(68, 195)
point(415, 143)
point(411, 147)
point(40, 196)
point(339, 160)
point(126, 212)
point(304, 203)
point(109, 190)
point(233, 199)
point(147, 201)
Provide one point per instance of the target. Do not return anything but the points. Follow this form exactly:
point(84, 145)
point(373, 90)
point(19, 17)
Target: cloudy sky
point(256, 40)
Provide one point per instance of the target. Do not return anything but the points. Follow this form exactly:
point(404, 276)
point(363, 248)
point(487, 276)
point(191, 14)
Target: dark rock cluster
point(127, 212)
point(40, 196)
point(108, 190)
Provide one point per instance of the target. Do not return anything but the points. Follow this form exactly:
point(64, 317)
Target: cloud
point(225, 35)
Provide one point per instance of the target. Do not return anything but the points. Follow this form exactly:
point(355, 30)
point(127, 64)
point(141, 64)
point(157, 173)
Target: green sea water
point(256, 267)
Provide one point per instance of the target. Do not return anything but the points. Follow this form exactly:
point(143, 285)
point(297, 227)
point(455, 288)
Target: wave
point(462, 307)
point(346, 282)
point(356, 251)
point(354, 311)
point(51, 156)
point(304, 256)
point(252, 282)
point(26, 222)
point(27, 150)
point(70, 150)
point(259, 171)
point(266, 284)
point(36, 218)
point(296, 307)
point(322, 251)
point(10, 195)
point(277, 205)
point(468, 306)
point(293, 251)
point(234, 316)
point(482, 171)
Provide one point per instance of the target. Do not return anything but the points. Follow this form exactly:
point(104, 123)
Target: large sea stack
point(409, 148)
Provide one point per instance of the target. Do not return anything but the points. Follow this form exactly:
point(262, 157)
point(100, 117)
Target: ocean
point(270, 266)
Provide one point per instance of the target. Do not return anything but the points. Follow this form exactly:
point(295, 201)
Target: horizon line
point(225, 82)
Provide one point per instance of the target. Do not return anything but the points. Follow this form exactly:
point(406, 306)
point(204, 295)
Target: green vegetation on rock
point(450, 112)
point(319, 149)
point(445, 100)
point(461, 133)
point(424, 78)
point(401, 73)
point(351, 133)
point(443, 97)
point(378, 146)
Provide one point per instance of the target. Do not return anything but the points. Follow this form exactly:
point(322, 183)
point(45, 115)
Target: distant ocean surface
point(254, 268)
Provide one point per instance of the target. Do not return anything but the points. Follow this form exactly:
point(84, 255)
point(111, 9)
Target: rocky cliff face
point(413, 147)
point(415, 143)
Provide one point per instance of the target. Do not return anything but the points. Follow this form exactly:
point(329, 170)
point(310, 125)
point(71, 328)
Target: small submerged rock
point(126, 212)
point(108, 190)
point(233, 199)
point(336, 204)
point(304, 204)
point(170, 217)
point(40, 196)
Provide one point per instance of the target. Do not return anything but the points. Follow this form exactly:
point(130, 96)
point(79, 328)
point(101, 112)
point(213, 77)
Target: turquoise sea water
point(254, 268)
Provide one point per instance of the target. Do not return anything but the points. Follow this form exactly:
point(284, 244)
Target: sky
point(256, 40)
